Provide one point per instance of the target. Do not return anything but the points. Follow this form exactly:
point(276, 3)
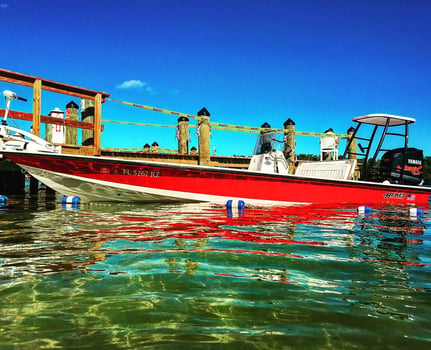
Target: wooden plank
point(74, 149)
point(37, 94)
point(49, 85)
point(97, 123)
point(49, 120)
point(17, 115)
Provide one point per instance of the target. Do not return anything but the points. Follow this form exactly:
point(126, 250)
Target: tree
point(427, 170)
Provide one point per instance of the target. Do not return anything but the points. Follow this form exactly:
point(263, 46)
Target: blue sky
point(319, 63)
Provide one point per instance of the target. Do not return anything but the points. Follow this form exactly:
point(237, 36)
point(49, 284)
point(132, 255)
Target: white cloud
point(136, 84)
point(174, 92)
point(131, 84)
point(4, 6)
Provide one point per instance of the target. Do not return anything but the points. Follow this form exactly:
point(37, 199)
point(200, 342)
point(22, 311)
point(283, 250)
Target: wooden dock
point(91, 127)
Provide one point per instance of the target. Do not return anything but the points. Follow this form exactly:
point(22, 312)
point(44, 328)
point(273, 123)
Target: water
point(120, 276)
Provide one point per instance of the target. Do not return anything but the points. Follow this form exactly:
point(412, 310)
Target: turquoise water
point(119, 276)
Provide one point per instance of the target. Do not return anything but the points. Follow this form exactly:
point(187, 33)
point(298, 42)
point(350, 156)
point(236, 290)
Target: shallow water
point(120, 276)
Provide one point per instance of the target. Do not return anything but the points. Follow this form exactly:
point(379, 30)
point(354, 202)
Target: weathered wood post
point(87, 115)
point(193, 150)
point(183, 135)
point(34, 185)
point(352, 149)
point(48, 132)
point(155, 147)
point(289, 143)
point(204, 137)
point(71, 114)
point(147, 147)
point(37, 95)
point(97, 140)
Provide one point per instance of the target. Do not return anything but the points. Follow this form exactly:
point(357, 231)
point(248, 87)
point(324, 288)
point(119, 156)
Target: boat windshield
point(269, 141)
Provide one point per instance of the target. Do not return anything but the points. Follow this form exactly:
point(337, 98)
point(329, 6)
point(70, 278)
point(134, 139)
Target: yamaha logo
point(414, 161)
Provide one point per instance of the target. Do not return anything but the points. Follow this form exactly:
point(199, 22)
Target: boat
point(271, 179)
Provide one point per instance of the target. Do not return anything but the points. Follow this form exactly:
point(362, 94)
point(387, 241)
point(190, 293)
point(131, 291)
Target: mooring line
point(138, 124)
point(155, 109)
point(214, 125)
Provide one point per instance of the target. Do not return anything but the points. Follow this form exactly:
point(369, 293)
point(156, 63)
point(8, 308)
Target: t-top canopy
point(381, 119)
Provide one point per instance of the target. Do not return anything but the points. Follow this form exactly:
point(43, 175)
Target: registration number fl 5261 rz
point(138, 172)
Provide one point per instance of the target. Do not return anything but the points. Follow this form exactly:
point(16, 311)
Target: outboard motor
point(391, 166)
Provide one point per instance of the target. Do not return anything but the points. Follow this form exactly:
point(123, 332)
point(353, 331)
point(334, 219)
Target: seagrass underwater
point(193, 276)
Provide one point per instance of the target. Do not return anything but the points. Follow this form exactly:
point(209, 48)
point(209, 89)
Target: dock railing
point(39, 84)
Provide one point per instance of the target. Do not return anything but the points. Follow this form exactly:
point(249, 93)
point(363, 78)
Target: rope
point(155, 109)
point(214, 125)
point(141, 124)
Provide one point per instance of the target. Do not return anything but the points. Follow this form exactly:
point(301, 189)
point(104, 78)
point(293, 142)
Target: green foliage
point(427, 170)
point(308, 157)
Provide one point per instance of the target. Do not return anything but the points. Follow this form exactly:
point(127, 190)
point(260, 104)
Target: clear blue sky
point(319, 63)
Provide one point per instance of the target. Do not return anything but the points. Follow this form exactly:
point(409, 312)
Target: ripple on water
point(154, 276)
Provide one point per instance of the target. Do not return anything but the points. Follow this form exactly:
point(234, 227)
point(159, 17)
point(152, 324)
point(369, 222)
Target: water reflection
point(53, 238)
point(162, 274)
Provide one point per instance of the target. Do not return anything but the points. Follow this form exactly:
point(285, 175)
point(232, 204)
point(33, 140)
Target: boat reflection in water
point(195, 274)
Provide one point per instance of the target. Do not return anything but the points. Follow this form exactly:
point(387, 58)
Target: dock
point(91, 127)
point(87, 119)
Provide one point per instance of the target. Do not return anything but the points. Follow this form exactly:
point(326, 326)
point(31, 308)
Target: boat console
point(268, 156)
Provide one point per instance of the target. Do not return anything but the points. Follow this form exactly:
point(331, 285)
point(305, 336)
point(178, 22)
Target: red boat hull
point(197, 183)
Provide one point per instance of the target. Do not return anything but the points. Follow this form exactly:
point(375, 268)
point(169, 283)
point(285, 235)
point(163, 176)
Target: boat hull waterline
point(95, 178)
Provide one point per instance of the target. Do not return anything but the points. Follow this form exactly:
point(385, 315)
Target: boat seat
point(336, 169)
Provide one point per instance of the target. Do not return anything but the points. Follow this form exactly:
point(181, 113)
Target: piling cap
point(193, 148)
point(146, 145)
point(72, 104)
point(204, 112)
point(265, 125)
point(350, 130)
point(183, 119)
point(155, 144)
point(288, 122)
point(55, 110)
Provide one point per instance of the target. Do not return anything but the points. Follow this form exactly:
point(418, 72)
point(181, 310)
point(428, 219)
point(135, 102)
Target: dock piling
point(204, 137)
point(87, 115)
point(72, 114)
point(289, 142)
point(183, 135)
point(352, 150)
